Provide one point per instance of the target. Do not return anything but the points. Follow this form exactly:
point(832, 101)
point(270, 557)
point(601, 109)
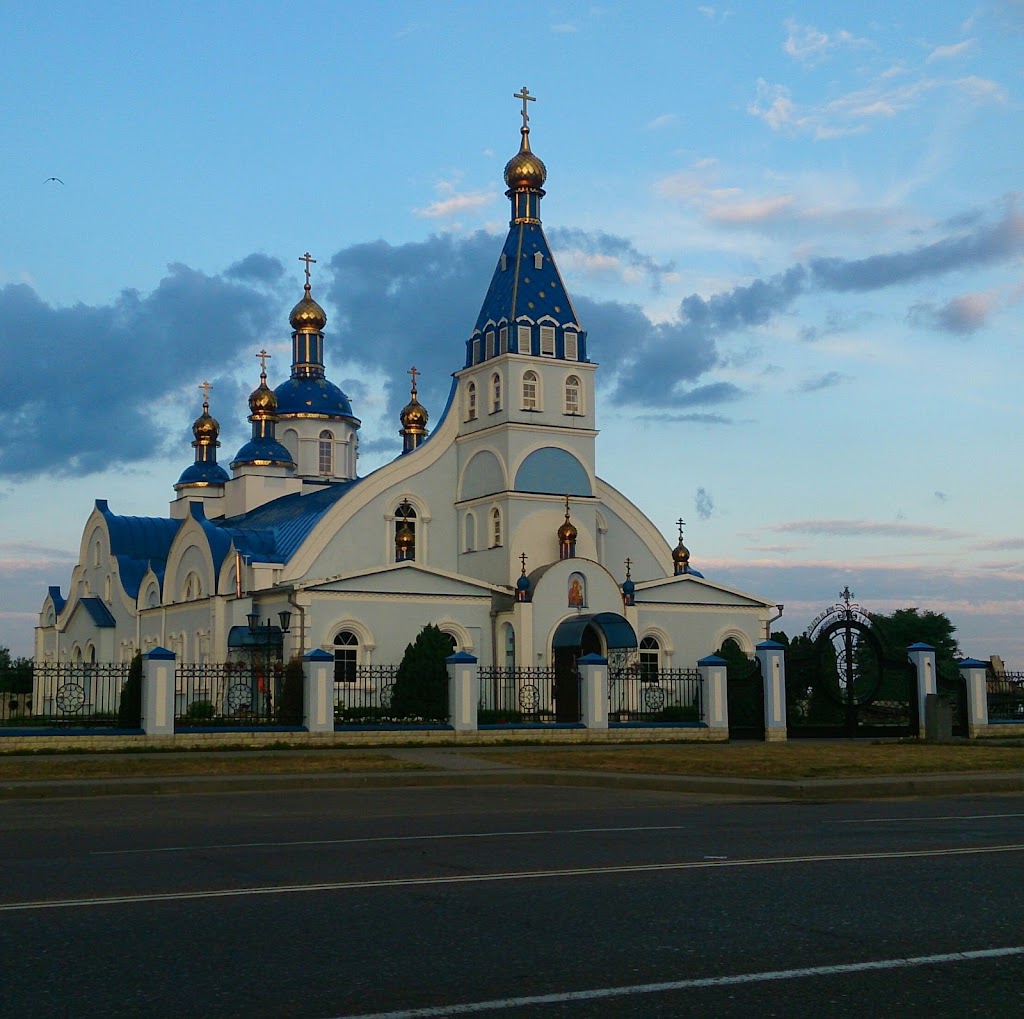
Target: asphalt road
point(505, 901)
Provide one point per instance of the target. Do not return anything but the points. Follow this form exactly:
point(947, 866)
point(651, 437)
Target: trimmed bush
point(129, 712)
point(289, 702)
point(421, 683)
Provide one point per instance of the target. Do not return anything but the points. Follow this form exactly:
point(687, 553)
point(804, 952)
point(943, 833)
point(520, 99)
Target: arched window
point(510, 646)
point(531, 391)
point(650, 659)
point(495, 527)
point(96, 553)
point(573, 402)
point(326, 453)
point(470, 532)
point(107, 589)
point(346, 657)
point(495, 393)
point(193, 587)
point(405, 532)
point(470, 401)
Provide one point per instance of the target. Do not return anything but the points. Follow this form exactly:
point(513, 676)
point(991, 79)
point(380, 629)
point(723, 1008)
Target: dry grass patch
point(778, 761)
point(158, 766)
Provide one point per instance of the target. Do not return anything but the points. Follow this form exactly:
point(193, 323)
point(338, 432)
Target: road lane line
point(384, 838)
point(515, 875)
point(938, 817)
point(697, 982)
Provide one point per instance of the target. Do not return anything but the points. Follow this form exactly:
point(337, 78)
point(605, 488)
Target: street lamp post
point(266, 638)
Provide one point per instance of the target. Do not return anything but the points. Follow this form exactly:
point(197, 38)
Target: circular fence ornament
point(654, 698)
point(529, 697)
point(70, 698)
point(239, 697)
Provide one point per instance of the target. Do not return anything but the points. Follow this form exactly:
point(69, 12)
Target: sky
point(794, 233)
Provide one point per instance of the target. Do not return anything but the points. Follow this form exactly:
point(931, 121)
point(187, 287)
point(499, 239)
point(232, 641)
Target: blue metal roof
point(268, 450)
point(616, 630)
point(99, 612)
point(312, 396)
point(59, 601)
point(273, 532)
point(137, 543)
point(200, 473)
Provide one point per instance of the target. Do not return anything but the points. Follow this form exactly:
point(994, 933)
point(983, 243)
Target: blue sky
point(796, 240)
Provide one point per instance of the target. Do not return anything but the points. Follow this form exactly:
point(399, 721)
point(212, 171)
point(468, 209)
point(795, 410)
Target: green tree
point(129, 711)
point(15, 673)
point(289, 703)
point(421, 684)
point(904, 627)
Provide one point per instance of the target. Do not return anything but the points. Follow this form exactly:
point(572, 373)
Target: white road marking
point(938, 817)
point(383, 838)
point(697, 982)
point(522, 875)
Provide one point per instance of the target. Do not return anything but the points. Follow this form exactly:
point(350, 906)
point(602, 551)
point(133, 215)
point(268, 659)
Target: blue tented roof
point(98, 612)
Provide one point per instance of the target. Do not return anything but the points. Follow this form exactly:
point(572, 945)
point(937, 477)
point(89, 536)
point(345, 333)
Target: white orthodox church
point(493, 525)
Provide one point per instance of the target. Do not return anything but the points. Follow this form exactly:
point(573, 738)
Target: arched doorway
point(597, 633)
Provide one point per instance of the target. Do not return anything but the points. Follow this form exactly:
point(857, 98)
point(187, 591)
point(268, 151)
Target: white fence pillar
point(594, 691)
point(975, 675)
point(158, 679)
point(772, 657)
point(463, 691)
point(715, 699)
point(318, 691)
point(923, 657)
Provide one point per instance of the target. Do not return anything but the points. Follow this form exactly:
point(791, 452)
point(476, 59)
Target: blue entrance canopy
point(614, 628)
point(265, 636)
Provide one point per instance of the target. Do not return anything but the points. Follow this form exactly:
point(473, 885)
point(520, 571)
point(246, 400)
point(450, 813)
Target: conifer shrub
point(290, 700)
point(129, 711)
point(421, 683)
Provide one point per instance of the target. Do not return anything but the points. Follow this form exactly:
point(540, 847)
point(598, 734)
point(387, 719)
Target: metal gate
point(745, 695)
point(842, 681)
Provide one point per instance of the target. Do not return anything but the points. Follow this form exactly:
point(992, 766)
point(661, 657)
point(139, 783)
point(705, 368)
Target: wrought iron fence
point(1006, 697)
point(62, 694)
point(516, 695)
point(370, 695)
point(662, 695)
point(230, 694)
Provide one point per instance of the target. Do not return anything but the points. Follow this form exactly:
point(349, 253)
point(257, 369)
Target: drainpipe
point(768, 625)
point(302, 622)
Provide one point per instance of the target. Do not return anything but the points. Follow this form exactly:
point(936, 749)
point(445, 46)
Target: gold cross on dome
point(522, 559)
point(307, 258)
point(526, 98)
point(263, 355)
point(414, 371)
point(206, 387)
point(680, 523)
point(628, 564)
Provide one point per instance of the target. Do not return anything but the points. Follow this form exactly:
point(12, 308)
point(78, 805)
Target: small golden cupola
point(205, 471)
point(307, 316)
point(263, 449)
point(680, 554)
point(414, 419)
point(567, 536)
point(525, 173)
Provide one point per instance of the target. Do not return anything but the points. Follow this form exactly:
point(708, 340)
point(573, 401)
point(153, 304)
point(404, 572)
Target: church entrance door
point(599, 634)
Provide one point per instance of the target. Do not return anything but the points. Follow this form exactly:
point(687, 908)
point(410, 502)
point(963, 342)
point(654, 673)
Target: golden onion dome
point(307, 316)
point(414, 415)
point(680, 554)
point(524, 169)
point(567, 532)
point(206, 428)
point(262, 400)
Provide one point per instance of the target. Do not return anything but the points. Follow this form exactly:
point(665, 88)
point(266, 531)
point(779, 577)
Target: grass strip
point(774, 761)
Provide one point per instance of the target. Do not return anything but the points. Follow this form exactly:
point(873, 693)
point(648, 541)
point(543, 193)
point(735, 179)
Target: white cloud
point(950, 52)
point(563, 27)
point(753, 210)
point(663, 121)
point(455, 202)
point(810, 45)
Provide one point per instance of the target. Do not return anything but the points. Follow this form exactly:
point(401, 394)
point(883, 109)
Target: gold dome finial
point(525, 171)
point(680, 554)
point(307, 316)
point(414, 418)
point(567, 536)
point(262, 402)
point(206, 428)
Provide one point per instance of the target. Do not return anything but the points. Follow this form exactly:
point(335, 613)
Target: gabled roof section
point(98, 612)
point(59, 601)
point(136, 543)
point(272, 533)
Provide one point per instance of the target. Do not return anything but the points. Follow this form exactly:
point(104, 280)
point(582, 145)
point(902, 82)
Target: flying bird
point(57, 179)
